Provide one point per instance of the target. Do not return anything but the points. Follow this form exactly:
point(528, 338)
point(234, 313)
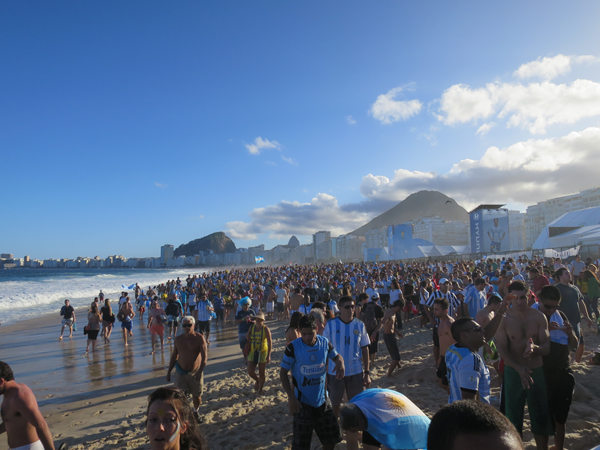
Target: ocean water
point(28, 293)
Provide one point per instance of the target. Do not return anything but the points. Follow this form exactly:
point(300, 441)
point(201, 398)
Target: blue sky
point(128, 125)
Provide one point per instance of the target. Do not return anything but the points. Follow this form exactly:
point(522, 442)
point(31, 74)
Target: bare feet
point(60, 338)
point(256, 386)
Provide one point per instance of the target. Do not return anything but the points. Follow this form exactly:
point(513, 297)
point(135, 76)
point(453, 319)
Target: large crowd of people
point(520, 317)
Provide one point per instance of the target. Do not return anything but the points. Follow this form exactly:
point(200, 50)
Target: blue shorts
point(126, 325)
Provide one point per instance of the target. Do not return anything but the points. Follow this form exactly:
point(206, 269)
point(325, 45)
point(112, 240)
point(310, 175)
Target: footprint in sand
point(49, 395)
point(97, 413)
point(87, 403)
point(66, 414)
point(74, 424)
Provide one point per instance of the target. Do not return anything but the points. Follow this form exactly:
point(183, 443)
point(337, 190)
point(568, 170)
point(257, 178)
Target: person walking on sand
point(156, 325)
point(108, 320)
point(68, 320)
point(389, 333)
point(522, 340)
point(260, 351)
point(127, 314)
point(189, 358)
point(22, 420)
point(93, 326)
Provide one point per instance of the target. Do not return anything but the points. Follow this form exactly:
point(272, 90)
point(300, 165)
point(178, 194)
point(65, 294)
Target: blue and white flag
point(393, 419)
point(126, 288)
point(259, 259)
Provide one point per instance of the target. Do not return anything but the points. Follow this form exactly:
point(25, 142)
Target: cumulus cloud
point(261, 144)
point(533, 107)
point(387, 110)
point(524, 173)
point(289, 160)
point(350, 120)
point(286, 218)
point(160, 185)
point(548, 68)
point(483, 129)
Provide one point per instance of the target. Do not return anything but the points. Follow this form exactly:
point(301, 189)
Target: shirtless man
point(295, 301)
point(21, 418)
point(522, 339)
point(440, 310)
point(126, 324)
point(189, 359)
point(389, 328)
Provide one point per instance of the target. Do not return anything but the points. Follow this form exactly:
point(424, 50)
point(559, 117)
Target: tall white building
point(441, 232)
point(516, 226)
point(166, 253)
point(542, 213)
point(377, 238)
point(318, 238)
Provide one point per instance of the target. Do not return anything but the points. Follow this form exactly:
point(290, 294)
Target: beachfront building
point(166, 253)
point(377, 238)
point(441, 232)
point(572, 229)
point(318, 238)
point(541, 214)
point(349, 247)
point(516, 228)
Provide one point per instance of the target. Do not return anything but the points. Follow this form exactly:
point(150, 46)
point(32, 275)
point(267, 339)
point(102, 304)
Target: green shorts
point(537, 401)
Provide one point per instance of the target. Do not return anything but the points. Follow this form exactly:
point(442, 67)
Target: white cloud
point(271, 163)
point(533, 107)
point(524, 173)
point(483, 129)
point(289, 160)
point(549, 68)
point(350, 120)
point(286, 218)
point(387, 110)
point(160, 185)
point(262, 144)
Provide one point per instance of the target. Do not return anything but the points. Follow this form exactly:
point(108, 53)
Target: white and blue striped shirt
point(204, 313)
point(475, 300)
point(466, 370)
point(454, 303)
point(348, 339)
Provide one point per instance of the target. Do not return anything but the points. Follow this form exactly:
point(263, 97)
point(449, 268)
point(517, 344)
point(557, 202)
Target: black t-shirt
point(68, 312)
point(106, 313)
point(172, 309)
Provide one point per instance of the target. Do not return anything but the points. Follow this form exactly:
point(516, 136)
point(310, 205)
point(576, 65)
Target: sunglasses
point(549, 306)
point(349, 307)
point(187, 325)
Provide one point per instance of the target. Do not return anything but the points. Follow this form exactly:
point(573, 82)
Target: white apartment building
point(441, 232)
point(516, 227)
point(541, 214)
point(166, 253)
point(319, 237)
point(377, 238)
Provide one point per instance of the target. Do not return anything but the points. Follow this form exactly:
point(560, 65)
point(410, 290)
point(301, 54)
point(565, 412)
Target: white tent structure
point(571, 229)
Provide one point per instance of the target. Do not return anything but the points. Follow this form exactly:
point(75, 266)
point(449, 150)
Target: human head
point(188, 323)
point(494, 302)
point(563, 275)
point(444, 285)
point(398, 305)
point(6, 372)
point(467, 332)
point(352, 418)
point(467, 424)
point(347, 308)
point(308, 329)
point(317, 313)
point(363, 297)
point(66, 302)
point(295, 319)
point(170, 420)
point(440, 307)
point(521, 291)
point(480, 284)
point(549, 300)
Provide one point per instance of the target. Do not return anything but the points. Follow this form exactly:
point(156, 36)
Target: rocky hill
point(218, 242)
point(415, 206)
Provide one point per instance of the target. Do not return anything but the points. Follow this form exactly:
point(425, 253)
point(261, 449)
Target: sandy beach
point(97, 401)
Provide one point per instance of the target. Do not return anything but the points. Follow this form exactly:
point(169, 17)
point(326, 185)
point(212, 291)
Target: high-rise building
point(318, 238)
point(541, 214)
point(516, 226)
point(441, 232)
point(166, 253)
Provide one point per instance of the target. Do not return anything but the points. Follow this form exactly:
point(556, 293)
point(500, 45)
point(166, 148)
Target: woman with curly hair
point(170, 422)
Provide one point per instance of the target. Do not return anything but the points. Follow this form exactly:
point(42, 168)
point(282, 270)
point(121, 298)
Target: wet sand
point(97, 401)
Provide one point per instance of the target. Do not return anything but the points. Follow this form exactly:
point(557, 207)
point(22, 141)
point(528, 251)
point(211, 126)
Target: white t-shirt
point(348, 339)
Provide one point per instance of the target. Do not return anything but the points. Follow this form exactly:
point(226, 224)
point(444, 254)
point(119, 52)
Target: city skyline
point(130, 125)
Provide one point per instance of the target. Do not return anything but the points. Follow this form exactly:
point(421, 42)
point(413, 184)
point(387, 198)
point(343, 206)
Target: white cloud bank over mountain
point(523, 173)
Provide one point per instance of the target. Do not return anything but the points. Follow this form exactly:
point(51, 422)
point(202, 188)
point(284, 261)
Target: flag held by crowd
point(259, 259)
point(128, 288)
